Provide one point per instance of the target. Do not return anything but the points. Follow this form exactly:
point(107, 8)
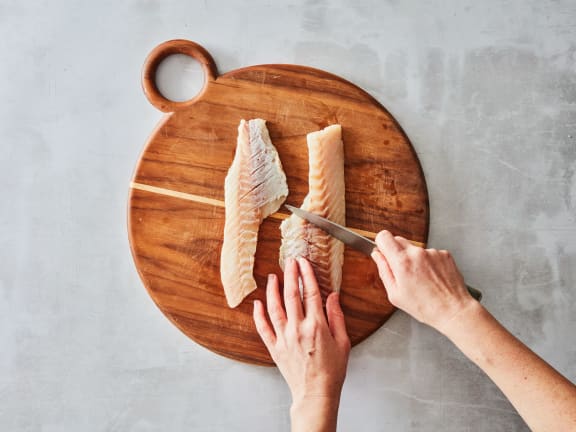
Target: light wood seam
point(220, 203)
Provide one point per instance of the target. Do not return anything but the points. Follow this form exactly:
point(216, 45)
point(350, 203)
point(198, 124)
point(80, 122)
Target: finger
point(336, 320)
point(274, 304)
point(263, 326)
point(403, 242)
point(383, 269)
point(389, 246)
point(311, 293)
point(292, 298)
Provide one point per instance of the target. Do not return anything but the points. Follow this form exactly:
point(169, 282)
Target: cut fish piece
point(325, 198)
point(255, 187)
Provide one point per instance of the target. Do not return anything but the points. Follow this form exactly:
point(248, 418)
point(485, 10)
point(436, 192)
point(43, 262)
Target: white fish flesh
point(326, 197)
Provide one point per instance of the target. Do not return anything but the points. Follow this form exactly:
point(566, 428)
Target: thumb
point(336, 320)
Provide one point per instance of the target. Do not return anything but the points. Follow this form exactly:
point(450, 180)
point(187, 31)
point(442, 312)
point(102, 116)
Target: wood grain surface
point(175, 215)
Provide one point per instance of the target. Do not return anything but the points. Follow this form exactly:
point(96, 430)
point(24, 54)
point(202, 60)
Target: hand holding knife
point(350, 238)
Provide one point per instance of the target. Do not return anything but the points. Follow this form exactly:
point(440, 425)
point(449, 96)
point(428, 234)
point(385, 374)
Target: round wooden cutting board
point(176, 214)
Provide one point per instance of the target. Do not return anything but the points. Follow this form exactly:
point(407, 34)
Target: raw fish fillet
point(255, 187)
point(325, 198)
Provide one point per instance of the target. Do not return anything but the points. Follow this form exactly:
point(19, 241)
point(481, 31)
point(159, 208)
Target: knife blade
point(349, 237)
point(345, 235)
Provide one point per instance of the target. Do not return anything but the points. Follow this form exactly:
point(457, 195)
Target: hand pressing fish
point(254, 188)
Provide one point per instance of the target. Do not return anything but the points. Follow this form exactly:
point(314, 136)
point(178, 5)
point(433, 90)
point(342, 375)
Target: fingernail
point(271, 277)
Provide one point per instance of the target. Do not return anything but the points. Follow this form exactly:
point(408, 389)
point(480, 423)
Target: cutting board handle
point(176, 46)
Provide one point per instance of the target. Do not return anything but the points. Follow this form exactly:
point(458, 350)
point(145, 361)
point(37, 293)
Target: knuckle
point(310, 327)
point(418, 253)
point(336, 312)
point(314, 326)
point(275, 312)
point(292, 295)
point(311, 294)
point(404, 259)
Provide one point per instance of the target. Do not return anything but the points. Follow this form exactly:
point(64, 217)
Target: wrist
point(314, 413)
point(316, 401)
point(459, 323)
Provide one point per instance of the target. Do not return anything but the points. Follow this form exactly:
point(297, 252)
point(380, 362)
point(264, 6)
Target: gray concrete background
point(485, 90)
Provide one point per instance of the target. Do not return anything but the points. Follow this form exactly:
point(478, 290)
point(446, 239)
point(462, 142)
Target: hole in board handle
point(179, 77)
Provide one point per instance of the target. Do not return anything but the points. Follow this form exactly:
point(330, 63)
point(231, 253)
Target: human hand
point(422, 282)
point(310, 351)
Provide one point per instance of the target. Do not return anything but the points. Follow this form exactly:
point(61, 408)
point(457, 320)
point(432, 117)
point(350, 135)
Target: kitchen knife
point(349, 237)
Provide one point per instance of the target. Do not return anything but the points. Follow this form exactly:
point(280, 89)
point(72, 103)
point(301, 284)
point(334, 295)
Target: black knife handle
point(474, 292)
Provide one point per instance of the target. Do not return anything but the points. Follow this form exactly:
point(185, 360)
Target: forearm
point(544, 398)
point(314, 415)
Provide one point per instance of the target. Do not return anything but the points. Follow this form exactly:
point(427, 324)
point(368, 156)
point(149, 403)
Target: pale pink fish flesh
point(255, 187)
